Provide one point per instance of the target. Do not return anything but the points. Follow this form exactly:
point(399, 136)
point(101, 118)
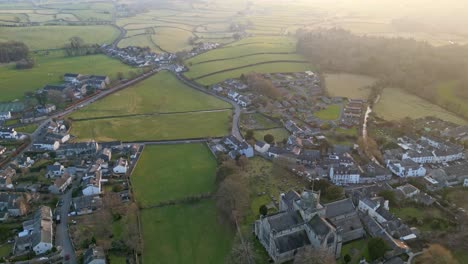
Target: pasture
point(172, 172)
point(160, 93)
point(199, 70)
point(182, 234)
point(447, 97)
point(396, 104)
point(273, 67)
point(49, 69)
point(278, 133)
point(332, 112)
point(172, 39)
point(58, 36)
point(348, 85)
point(155, 127)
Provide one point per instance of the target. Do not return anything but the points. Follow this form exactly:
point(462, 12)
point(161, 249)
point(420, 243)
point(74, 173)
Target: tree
point(249, 134)
point(333, 193)
point(120, 76)
point(232, 197)
point(347, 258)
point(269, 138)
point(311, 255)
point(241, 253)
point(377, 248)
point(390, 196)
point(263, 210)
point(436, 254)
point(55, 97)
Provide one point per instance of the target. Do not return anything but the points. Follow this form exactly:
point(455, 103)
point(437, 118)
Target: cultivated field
point(396, 104)
point(52, 37)
point(49, 69)
point(348, 85)
point(182, 234)
point(172, 172)
point(161, 93)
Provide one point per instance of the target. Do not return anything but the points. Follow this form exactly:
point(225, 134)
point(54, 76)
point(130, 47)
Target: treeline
point(13, 51)
point(409, 64)
point(77, 47)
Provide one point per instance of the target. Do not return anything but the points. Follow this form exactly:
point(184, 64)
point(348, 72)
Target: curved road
point(235, 131)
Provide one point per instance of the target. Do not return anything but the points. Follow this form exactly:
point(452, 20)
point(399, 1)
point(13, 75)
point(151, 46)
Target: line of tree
point(77, 47)
point(412, 65)
point(13, 51)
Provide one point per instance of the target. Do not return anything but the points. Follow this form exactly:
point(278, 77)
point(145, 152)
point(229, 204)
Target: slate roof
point(341, 207)
point(284, 220)
point(318, 225)
point(292, 241)
point(289, 198)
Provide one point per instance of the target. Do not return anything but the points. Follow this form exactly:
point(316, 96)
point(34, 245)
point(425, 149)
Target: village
point(57, 177)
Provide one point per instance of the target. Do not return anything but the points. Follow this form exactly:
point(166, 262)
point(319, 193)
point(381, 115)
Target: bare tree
point(232, 197)
point(241, 253)
point(436, 254)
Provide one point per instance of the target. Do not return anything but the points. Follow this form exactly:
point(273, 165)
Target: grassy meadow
point(171, 172)
point(52, 37)
point(182, 234)
point(274, 67)
point(160, 93)
point(348, 85)
point(155, 127)
point(396, 104)
point(332, 112)
point(50, 69)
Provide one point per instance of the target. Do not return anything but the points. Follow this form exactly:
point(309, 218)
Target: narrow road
point(62, 238)
point(235, 131)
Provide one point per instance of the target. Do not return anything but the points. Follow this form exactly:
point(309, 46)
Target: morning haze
point(233, 131)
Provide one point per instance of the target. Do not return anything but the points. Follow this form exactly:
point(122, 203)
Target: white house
point(92, 185)
point(38, 232)
point(370, 207)
point(8, 133)
point(46, 109)
point(344, 175)
point(406, 168)
point(55, 170)
point(261, 147)
point(121, 167)
point(465, 183)
point(233, 95)
point(72, 77)
point(5, 115)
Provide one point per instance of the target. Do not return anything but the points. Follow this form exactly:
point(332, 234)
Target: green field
point(50, 69)
point(171, 172)
point(172, 39)
point(447, 97)
point(51, 37)
point(182, 234)
point(396, 104)
point(160, 93)
point(348, 85)
point(332, 112)
point(162, 107)
point(278, 133)
point(283, 67)
point(155, 127)
point(140, 41)
point(206, 68)
point(5, 250)
point(248, 46)
point(356, 249)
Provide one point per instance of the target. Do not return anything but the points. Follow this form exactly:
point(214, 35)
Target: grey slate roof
point(284, 220)
point(292, 241)
point(341, 207)
point(318, 225)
